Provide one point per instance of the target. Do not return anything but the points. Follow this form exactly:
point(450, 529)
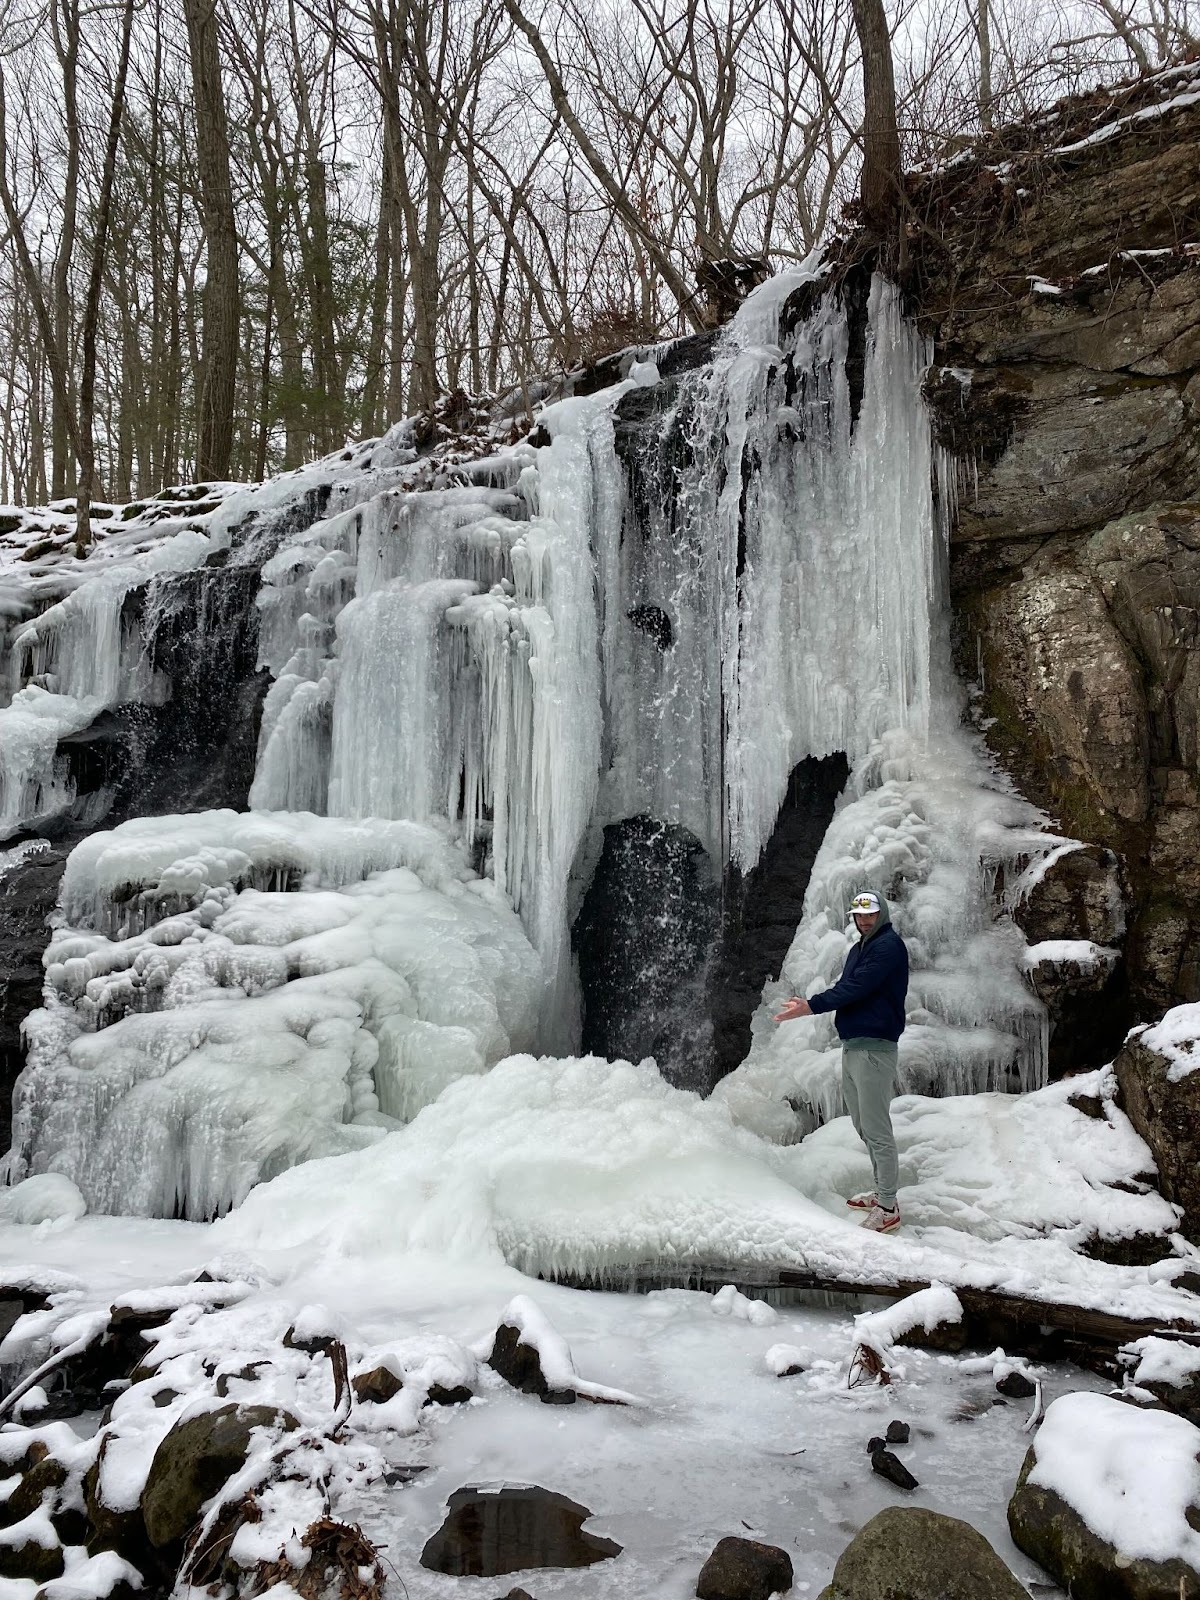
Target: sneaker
point(862, 1202)
point(881, 1221)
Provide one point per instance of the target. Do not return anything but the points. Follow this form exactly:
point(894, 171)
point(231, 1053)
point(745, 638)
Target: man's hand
point(799, 1007)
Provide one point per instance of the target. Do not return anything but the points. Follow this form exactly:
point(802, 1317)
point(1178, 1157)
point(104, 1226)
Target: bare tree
point(214, 444)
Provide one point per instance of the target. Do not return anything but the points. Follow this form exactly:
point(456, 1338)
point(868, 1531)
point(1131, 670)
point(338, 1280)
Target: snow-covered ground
point(715, 1443)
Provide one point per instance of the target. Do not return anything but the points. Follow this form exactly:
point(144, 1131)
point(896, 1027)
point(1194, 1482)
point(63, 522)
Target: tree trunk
point(984, 31)
point(880, 189)
point(214, 443)
point(91, 312)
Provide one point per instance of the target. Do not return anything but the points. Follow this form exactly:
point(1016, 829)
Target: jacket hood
point(885, 921)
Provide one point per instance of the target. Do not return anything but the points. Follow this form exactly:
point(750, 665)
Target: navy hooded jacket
point(869, 996)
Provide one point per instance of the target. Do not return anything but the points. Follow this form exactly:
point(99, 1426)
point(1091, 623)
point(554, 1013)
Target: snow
point(1173, 102)
point(730, 1302)
point(782, 1359)
point(1168, 1361)
point(927, 1309)
point(1130, 1474)
point(91, 1577)
point(1081, 953)
point(1175, 1036)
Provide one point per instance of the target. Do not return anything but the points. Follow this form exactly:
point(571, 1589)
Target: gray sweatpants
point(868, 1084)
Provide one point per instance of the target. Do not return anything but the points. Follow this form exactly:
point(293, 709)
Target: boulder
point(1161, 1097)
point(492, 1531)
point(194, 1460)
point(29, 1555)
point(1117, 1461)
point(518, 1363)
point(744, 1569)
point(907, 1553)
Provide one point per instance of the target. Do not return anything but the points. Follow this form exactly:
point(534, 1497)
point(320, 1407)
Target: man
point(868, 1006)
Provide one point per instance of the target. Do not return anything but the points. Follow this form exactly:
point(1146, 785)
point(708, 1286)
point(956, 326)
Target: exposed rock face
point(1075, 561)
point(1088, 1568)
point(492, 1531)
point(744, 1569)
point(1167, 1115)
point(911, 1554)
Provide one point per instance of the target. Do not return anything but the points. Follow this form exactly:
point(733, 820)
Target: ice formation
point(236, 993)
point(518, 651)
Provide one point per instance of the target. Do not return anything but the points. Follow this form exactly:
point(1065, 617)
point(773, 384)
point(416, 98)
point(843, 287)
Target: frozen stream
point(718, 1446)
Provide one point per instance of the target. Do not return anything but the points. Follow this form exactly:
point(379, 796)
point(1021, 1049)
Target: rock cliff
point(1057, 272)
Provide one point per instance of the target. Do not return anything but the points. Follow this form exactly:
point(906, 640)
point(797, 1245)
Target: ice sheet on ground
point(720, 1444)
point(1130, 1474)
point(200, 1033)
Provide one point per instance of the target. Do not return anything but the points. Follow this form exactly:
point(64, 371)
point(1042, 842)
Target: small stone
point(875, 1443)
point(897, 1433)
point(744, 1569)
point(893, 1469)
point(377, 1386)
point(1017, 1386)
point(439, 1395)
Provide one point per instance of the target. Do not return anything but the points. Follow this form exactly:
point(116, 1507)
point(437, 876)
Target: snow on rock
point(928, 1309)
point(50, 1197)
point(1177, 1037)
point(1131, 1475)
point(201, 1033)
point(730, 1302)
point(553, 1352)
point(91, 1577)
point(1082, 953)
point(786, 1359)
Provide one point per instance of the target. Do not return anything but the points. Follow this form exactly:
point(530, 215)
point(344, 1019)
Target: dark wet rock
point(644, 936)
point(875, 1442)
point(1016, 1386)
point(198, 1455)
point(27, 896)
point(897, 1432)
point(908, 1553)
point(32, 1560)
point(1053, 1533)
point(520, 1365)
point(377, 1386)
point(515, 1594)
point(744, 1569)
point(1167, 1115)
point(764, 906)
point(43, 1478)
point(893, 1469)
point(440, 1395)
point(492, 1531)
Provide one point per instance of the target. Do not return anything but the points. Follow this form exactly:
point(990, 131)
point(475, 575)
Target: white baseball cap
point(864, 904)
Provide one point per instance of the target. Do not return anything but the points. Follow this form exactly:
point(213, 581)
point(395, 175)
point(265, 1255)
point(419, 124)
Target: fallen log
point(1046, 1330)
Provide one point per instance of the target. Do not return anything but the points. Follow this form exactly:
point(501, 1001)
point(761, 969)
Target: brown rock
point(379, 1385)
point(1167, 1115)
point(195, 1459)
point(744, 1569)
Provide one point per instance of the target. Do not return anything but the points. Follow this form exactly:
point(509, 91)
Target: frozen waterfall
point(656, 606)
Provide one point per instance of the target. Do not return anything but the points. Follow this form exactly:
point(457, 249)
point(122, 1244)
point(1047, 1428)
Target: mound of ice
point(572, 1166)
point(215, 1033)
point(47, 1198)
